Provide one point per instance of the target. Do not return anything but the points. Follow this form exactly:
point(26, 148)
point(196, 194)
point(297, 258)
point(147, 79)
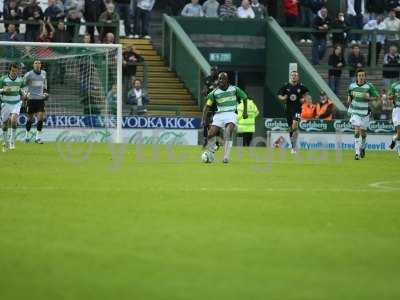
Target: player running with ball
point(359, 95)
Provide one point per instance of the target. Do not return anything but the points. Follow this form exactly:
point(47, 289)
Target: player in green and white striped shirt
point(11, 95)
point(359, 95)
point(394, 95)
point(227, 98)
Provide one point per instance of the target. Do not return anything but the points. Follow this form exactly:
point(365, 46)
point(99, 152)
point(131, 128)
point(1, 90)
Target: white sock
point(227, 148)
point(13, 135)
point(211, 144)
point(38, 135)
point(5, 137)
point(357, 145)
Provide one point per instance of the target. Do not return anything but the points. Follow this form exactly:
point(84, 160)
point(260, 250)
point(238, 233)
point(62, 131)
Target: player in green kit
point(226, 97)
point(359, 95)
point(11, 95)
point(394, 95)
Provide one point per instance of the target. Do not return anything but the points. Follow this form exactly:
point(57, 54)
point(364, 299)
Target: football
point(207, 157)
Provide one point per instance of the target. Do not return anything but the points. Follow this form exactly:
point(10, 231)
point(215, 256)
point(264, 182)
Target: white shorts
point(8, 109)
point(223, 118)
point(357, 121)
point(396, 116)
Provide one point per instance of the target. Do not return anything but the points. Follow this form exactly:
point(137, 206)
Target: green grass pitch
point(119, 222)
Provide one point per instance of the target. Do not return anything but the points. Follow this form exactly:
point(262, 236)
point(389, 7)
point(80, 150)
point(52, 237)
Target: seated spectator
point(74, 12)
point(355, 13)
point(32, 12)
point(259, 9)
point(375, 24)
point(46, 33)
point(210, 8)
point(61, 35)
point(111, 99)
point(355, 60)
point(291, 12)
point(339, 38)
point(110, 17)
point(12, 35)
point(137, 97)
point(392, 24)
point(308, 108)
point(142, 18)
point(12, 13)
point(245, 11)
point(193, 9)
point(337, 63)
point(391, 63)
point(130, 59)
point(109, 38)
point(325, 108)
point(321, 23)
point(227, 10)
point(53, 13)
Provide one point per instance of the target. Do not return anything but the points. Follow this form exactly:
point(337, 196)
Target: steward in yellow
point(246, 127)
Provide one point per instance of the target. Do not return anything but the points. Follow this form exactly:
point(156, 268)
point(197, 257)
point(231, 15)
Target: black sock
point(28, 125)
point(39, 125)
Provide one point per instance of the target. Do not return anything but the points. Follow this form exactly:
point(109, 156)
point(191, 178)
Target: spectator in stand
point(395, 5)
point(356, 60)
point(337, 63)
point(308, 108)
point(259, 9)
point(174, 7)
point(12, 34)
point(138, 97)
point(193, 9)
point(210, 8)
point(142, 18)
point(317, 5)
point(392, 24)
point(12, 13)
point(32, 12)
point(92, 11)
point(227, 10)
point(321, 23)
point(74, 12)
point(391, 63)
point(130, 59)
point(375, 24)
point(109, 38)
point(375, 8)
point(109, 17)
point(125, 13)
point(291, 12)
point(86, 39)
point(245, 11)
point(325, 108)
point(355, 12)
point(339, 38)
point(61, 35)
point(46, 33)
point(307, 17)
point(53, 13)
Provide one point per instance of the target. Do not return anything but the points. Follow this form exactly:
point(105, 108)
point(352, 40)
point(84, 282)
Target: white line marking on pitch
point(386, 185)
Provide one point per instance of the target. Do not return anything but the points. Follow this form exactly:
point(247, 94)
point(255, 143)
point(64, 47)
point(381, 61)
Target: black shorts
point(35, 106)
point(292, 116)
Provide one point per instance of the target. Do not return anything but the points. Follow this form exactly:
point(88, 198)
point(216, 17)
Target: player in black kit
point(293, 93)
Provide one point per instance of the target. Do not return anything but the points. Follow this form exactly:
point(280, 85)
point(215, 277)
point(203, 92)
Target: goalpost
point(83, 79)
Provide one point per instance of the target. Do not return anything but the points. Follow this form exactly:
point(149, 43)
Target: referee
point(292, 93)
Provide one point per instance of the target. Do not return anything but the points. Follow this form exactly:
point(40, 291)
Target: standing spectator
point(339, 38)
point(227, 10)
point(74, 12)
point(12, 35)
point(32, 12)
point(325, 108)
point(142, 17)
point(356, 60)
point(61, 35)
point(355, 12)
point(130, 60)
point(395, 5)
point(321, 23)
point(53, 13)
point(125, 13)
point(245, 11)
point(375, 24)
point(375, 8)
point(138, 97)
point(210, 8)
point(392, 24)
point(291, 12)
point(308, 108)
point(93, 10)
point(337, 63)
point(109, 17)
point(307, 16)
point(193, 9)
point(259, 9)
point(12, 13)
point(391, 63)
point(317, 5)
